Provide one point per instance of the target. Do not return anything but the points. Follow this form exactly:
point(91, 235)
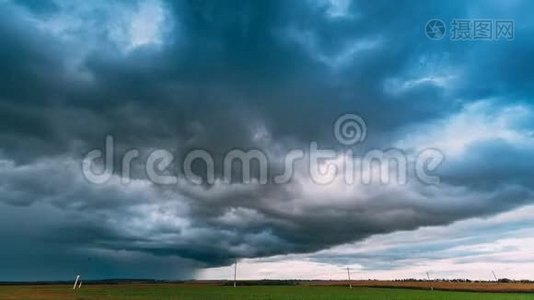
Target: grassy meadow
point(208, 292)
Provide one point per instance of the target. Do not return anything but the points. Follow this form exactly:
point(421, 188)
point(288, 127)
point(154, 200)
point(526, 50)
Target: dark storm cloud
point(215, 76)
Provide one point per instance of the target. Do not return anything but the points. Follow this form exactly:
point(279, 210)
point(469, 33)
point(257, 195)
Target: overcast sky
point(271, 76)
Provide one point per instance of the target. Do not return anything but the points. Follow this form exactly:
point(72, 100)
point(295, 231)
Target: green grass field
point(183, 292)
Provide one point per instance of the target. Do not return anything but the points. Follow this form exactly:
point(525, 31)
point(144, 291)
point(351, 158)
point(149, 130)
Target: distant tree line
point(263, 282)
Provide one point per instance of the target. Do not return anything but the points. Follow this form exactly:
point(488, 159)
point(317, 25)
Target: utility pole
point(431, 286)
point(235, 273)
point(494, 276)
point(348, 274)
point(76, 282)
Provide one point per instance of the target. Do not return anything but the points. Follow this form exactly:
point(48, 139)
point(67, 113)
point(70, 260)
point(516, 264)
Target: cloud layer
point(183, 75)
